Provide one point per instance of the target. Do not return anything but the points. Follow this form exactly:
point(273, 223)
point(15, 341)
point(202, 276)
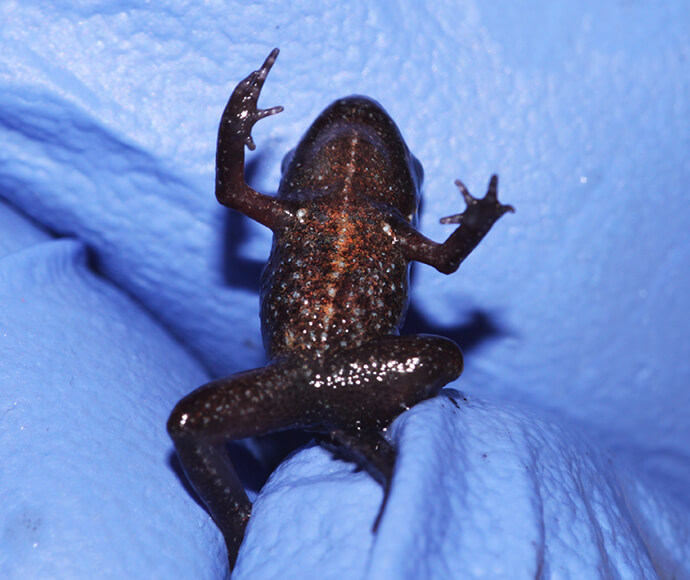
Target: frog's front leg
point(475, 222)
point(235, 132)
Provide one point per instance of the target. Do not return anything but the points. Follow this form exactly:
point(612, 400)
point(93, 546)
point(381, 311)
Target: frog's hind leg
point(213, 477)
point(371, 451)
point(247, 404)
point(364, 389)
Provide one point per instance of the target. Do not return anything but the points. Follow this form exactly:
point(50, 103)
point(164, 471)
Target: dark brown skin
point(333, 299)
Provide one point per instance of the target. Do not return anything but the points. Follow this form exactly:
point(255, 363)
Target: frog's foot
point(369, 451)
point(482, 213)
point(241, 112)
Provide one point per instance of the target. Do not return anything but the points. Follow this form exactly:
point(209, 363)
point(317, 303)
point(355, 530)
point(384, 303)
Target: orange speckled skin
point(334, 295)
point(348, 182)
point(322, 290)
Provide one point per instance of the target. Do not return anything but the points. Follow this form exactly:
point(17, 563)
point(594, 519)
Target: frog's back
point(336, 277)
point(334, 280)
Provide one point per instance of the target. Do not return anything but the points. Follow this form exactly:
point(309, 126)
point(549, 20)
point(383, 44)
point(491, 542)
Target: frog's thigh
point(242, 405)
point(371, 385)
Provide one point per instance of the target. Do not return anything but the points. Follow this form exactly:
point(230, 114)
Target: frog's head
point(354, 148)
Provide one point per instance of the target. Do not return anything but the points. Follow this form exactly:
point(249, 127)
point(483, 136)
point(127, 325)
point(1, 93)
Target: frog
point(333, 298)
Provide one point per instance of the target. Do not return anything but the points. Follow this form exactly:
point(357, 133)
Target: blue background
point(573, 313)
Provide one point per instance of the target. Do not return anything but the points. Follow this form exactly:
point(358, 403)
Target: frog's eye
point(286, 161)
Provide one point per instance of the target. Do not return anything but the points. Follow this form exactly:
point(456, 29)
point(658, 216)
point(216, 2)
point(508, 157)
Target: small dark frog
point(333, 298)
